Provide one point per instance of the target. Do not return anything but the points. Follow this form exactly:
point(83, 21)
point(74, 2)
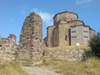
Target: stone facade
point(68, 31)
point(8, 48)
point(31, 44)
point(79, 35)
point(70, 55)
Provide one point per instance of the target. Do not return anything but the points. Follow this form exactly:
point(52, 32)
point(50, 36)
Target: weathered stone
point(68, 31)
point(8, 48)
point(70, 55)
point(31, 45)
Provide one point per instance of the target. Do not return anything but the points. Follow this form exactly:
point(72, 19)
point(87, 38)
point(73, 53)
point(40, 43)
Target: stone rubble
point(31, 44)
point(8, 49)
point(70, 55)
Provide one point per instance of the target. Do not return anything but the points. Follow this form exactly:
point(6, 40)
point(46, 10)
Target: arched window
point(66, 37)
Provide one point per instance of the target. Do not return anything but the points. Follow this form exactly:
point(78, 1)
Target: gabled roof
point(65, 12)
point(76, 20)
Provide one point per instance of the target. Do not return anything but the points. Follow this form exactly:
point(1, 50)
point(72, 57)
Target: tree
point(94, 44)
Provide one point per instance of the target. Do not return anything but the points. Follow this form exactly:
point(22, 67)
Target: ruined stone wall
point(8, 48)
point(31, 29)
point(70, 55)
point(31, 45)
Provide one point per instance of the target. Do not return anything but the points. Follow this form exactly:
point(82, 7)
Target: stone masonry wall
point(92, 33)
point(31, 44)
point(8, 49)
point(70, 55)
point(55, 37)
point(66, 16)
point(63, 35)
point(78, 36)
point(75, 22)
point(49, 35)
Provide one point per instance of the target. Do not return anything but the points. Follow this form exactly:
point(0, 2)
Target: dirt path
point(38, 71)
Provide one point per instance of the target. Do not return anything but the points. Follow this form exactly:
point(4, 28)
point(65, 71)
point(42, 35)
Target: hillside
point(12, 69)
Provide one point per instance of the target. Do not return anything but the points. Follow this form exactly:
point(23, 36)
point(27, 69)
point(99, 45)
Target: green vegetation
point(25, 62)
point(69, 47)
point(12, 69)
point(43, 52)
point(89, 67)
point(95, 45)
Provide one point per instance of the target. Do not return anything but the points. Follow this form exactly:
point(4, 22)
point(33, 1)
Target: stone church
point(68, 31)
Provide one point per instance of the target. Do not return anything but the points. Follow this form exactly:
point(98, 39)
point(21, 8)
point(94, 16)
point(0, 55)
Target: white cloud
point(46, 17)
point(83, 1)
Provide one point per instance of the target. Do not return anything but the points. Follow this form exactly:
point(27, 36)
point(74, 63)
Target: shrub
point(94, 44)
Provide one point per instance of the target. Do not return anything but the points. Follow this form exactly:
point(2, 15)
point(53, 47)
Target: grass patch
point(12, 69)
point(26, 62)
point(69, 47)
point(89, 67)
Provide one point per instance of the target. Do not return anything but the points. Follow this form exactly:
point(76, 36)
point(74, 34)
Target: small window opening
point(66, 37)
point(73, 31)
point(36, 38)
point(73, 36)
point(0, 45)
point(40, 40)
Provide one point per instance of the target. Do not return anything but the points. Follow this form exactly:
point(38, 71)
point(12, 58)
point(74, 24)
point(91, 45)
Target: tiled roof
point(65, 12)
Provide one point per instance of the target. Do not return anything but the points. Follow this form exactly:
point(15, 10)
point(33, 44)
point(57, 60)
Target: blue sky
point(14, 12)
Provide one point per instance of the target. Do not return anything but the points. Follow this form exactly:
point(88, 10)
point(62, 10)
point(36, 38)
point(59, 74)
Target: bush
point(94, 44)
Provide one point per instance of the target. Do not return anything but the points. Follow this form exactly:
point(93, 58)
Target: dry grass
point(88, 67)
point(11, 69)
point(69, 47)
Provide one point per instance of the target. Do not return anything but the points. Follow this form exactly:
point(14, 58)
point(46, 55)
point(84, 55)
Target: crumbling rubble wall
point(31, 44)
point(8, 49)
point(70, 55)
